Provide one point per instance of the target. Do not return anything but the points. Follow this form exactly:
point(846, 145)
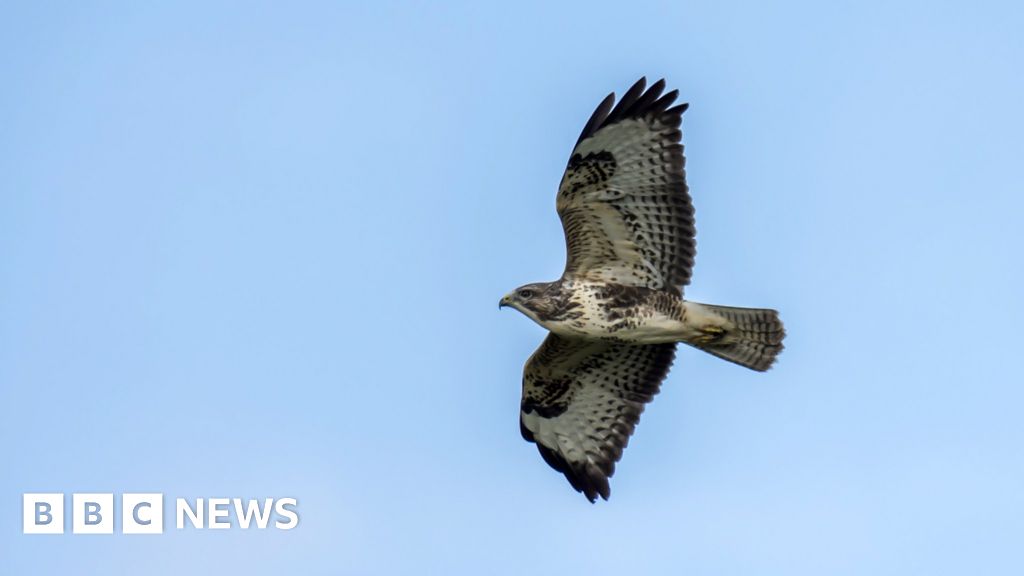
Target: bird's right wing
point(582, 400)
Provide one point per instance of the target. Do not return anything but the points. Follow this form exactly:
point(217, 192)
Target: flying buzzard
point(617, 313)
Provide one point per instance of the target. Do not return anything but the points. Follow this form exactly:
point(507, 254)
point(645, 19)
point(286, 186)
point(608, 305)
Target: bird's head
point(535, 300)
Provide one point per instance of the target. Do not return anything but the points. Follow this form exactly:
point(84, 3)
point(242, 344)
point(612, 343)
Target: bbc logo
point(143, 513)
point(93, 513)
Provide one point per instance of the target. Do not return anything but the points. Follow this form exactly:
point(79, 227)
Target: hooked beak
point(506, 300)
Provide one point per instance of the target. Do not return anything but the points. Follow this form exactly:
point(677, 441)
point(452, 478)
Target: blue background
point(255, 249)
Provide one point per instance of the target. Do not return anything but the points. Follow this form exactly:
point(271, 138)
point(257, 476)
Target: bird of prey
point(616, 314)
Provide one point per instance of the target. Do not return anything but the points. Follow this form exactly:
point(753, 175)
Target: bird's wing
point(581, 401)
point(623, 200)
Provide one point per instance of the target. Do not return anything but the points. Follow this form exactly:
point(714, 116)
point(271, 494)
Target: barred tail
point(750, 337)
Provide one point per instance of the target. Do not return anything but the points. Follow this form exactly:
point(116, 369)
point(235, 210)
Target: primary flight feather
point(617, 313)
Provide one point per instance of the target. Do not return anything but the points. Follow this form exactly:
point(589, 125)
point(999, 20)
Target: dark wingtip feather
point(678, 109)
point(635, 103)
point(626, 102)
point(646, 99)
point(589, 483)
point(662, 104)
point(597, 119)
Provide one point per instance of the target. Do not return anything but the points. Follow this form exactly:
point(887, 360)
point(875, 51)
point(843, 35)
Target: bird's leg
point(710, 334)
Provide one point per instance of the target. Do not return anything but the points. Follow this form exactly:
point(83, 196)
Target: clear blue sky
point(255, 249)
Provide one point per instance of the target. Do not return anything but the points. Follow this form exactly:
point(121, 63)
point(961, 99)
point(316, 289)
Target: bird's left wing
point(623, 200)
point(582, 400)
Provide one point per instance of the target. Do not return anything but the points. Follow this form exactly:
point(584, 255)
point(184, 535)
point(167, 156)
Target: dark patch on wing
point(589, 170)
point(546, 397)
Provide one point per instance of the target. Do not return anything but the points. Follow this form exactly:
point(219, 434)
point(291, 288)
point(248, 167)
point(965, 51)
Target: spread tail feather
point(750, 337)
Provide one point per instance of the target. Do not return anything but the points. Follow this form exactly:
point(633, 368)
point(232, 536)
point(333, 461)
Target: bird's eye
point(526, 294)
